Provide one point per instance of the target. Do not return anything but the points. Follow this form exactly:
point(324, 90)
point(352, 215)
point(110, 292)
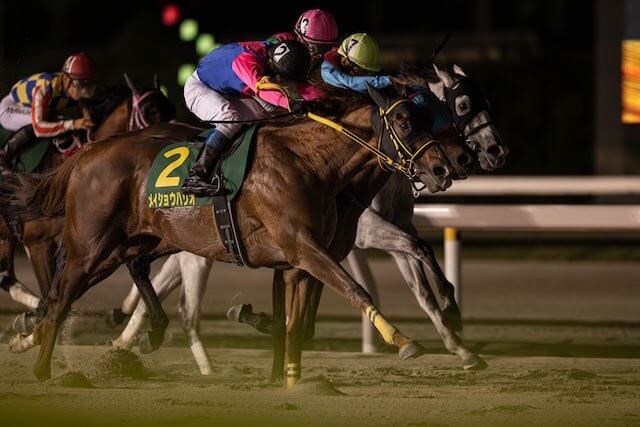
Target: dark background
point(534, 59)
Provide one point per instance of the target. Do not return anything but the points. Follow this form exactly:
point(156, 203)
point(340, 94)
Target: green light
point(184, 71)
point(164, 90)
point(205, 43)
point(188, 30)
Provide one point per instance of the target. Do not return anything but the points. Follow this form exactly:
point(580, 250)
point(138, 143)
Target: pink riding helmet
point(317, 26)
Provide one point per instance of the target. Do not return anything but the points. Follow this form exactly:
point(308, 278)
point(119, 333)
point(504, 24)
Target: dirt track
point(341, 389)
point(522, 316)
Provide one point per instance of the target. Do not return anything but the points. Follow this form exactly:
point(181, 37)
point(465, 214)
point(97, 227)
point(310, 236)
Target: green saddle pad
point(172, 164)
point(29, 159)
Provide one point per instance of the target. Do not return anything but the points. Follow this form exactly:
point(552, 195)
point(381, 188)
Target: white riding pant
point(209, 105)
point(13, 116)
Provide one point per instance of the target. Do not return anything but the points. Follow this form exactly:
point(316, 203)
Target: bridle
point(406, 156)
point(466, 86)
point(137, 115)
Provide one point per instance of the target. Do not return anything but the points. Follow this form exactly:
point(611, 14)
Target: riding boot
point(16, 144)
point(201, 181)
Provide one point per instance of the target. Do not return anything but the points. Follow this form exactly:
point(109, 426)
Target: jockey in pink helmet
point(318, 30)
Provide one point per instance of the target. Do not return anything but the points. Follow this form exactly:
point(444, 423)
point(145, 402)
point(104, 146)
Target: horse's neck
point(116, 122)
point(344, 162)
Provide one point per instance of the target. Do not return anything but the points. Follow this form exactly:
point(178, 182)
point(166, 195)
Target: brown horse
point(114, 111)
point(287, 211)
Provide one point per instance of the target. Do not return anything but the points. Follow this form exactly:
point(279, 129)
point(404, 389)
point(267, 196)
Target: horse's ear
point(156, 83)
point(378, 97)
point(459, 71)
point(130, 84)
point(443, 76)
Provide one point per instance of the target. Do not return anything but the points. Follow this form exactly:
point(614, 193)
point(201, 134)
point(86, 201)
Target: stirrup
point(199, 188)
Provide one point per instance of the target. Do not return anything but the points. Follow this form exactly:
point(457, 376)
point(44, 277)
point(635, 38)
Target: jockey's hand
point(83, 123)
point(298, 108)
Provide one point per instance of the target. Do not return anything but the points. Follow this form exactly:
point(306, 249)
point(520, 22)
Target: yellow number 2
point(164, 180)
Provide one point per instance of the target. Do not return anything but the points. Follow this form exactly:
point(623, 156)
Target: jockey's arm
point(250, 69)
point(39, 113)
point(333, 76)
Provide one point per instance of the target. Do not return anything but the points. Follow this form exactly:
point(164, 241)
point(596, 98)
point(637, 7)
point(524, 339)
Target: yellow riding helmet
point(361, 49)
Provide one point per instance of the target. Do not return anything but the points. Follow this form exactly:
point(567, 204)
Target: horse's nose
point(464, 160)
point(495, 151)
point(440, 171)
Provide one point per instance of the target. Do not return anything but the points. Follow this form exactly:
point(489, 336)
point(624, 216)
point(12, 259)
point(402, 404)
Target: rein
point(406, 158)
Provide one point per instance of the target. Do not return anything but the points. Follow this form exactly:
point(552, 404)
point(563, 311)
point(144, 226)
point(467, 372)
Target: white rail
point(615, 185)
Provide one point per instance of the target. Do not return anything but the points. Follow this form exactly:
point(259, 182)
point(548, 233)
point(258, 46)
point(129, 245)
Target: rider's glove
point(298, 108)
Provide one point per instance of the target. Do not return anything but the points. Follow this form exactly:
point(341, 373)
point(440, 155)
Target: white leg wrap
point(22, 294)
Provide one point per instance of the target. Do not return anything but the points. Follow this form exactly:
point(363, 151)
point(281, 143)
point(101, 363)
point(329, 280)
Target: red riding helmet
point(80, 66)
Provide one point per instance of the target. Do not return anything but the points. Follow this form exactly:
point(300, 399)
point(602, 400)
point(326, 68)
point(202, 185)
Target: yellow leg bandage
point(385, 328)
point(293, 374)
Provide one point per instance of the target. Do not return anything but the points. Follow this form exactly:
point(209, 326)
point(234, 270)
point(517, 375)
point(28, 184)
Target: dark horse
point(117, 110)
point(287, 212)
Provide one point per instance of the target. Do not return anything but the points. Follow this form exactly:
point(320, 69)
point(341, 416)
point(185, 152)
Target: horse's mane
point(417, 76)
point(338, 102)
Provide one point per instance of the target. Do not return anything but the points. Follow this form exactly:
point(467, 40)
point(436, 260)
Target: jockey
point(318, 31)
point(354, 65)
point(226, 86)
point(29, 108)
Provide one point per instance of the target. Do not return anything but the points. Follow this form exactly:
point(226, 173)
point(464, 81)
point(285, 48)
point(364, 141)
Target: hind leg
point(139, 270)
point(8, 282)
point(167, 279)
point(195, 272)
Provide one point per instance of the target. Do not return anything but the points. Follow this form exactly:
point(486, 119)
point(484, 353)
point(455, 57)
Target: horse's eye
point(404, 126)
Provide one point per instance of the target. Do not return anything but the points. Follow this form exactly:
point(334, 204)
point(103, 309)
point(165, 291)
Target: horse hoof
point(411, 350)
point(452, 317)
point(43, 372)
point(115, 317)
point(236, 312)
point(146, 345)
point(17, 343)
point(14, 342)
point(474, 362)
point(24, 323)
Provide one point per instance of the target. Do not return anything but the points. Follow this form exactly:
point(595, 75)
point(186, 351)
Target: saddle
point(171, 166)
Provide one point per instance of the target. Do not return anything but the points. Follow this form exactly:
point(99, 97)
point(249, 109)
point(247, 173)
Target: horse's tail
point(37, 196)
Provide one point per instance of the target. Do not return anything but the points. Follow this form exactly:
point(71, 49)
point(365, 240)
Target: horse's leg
point(195, 272)
point(310, 256)
point(139, 270)
point(410, 256)
point(300, 287)
point(411, 269)
point(377, 233)
point(18, 292)
point(167, 279)
point(278, 326)
point(42, 256)
point(314, 289)
point(168, 276)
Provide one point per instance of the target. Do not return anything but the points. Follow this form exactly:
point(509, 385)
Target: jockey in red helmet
point(29, 109)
